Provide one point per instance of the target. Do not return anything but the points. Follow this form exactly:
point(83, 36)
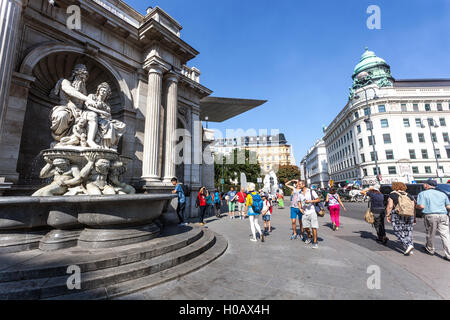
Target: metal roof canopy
point(221, 109)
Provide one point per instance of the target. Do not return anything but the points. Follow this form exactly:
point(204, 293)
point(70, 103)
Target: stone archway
point(47, 67)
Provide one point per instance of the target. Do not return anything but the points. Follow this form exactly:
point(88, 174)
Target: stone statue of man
point(74, 104)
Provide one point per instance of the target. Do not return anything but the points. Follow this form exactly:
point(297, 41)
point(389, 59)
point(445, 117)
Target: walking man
point(295, 211)
point(232, 194)
point(308, 198)
point(181, 200)
point(435, 205)
point(242, 197)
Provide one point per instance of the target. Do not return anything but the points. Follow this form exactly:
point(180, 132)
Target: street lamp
point(369, 123)
point(433, 123)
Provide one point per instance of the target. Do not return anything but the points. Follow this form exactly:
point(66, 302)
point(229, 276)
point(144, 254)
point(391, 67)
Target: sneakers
point(253, 240)
point(293, 237)
point(408, 250)
point(202, 224)
point(315, 246)
point(337, 228)
point(334, 227)
point(431, 253)
point(308, 241)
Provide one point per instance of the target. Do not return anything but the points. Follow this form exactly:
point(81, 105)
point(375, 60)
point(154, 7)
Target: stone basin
point(85, 221)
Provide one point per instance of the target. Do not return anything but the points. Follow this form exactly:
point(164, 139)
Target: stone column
point(171, 126)
point(151, 155)
point(10, 11)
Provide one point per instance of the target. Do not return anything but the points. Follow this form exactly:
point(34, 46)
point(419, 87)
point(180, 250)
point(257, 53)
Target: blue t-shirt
point(435, 202)
point(180, 193)
point(232, 194)
point(376, 200)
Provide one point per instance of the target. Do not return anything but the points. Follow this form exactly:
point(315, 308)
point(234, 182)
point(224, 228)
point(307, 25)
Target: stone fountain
point(86, 204)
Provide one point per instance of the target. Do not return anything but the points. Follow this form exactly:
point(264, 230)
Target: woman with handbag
point(334, 205)
point(378, 210)
point(400, 211)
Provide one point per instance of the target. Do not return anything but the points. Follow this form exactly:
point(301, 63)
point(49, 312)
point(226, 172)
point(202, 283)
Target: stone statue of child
point(64, 176)
point(78, 137)
point(117, 170)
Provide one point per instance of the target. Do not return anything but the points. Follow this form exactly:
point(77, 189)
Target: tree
point(287, 173)
point(232, 168)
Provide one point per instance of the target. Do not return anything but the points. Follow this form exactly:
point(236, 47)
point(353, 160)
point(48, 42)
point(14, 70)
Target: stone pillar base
point(16, 241)
point(59, 239)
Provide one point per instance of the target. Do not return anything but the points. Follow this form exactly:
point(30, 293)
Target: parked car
point(412, 189)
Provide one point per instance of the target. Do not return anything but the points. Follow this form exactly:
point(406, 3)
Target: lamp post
point(369, 123)
point(433, 123)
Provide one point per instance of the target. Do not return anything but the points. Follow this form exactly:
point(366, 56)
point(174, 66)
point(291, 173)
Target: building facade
point(409, 119)
point(272, 151)
point(154, 92)
point(314, 166)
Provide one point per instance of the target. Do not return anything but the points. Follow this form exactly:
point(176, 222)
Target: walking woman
point(280, 197)
point(334, 205)
point(201, 204)
point(378, 210)
point(403, 224)
point(252, 198)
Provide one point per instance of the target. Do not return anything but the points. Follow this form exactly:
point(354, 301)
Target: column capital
point(154, 68)
point(172, 76)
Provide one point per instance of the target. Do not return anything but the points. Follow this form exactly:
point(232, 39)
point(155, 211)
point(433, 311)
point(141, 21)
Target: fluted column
point(10, 11)
point(151, 155)
point(171, 126)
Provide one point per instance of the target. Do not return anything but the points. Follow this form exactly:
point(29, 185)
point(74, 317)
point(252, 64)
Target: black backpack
point(186, 190)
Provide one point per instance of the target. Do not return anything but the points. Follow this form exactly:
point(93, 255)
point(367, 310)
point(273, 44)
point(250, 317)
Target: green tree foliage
point(233, 165)
point(287, 173)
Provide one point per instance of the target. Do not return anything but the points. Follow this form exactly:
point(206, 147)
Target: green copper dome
point(368, 60)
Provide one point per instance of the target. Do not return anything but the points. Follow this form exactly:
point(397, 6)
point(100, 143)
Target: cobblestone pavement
point(286, 269)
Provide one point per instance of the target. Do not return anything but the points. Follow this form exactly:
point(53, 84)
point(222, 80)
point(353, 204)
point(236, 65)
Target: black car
point(412, 189)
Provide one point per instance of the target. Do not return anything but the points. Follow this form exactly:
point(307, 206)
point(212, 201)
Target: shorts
point(231, 206)
point(266, 217)
point(241, 207)
point(310, 221)
point(296, 212)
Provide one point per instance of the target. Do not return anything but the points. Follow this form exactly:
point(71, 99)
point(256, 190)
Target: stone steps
point(130, 270)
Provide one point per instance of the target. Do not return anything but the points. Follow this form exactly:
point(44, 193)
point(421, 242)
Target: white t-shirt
point(266, 206)
point(308, 208)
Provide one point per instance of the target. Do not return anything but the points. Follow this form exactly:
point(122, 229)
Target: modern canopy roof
point(221, 109)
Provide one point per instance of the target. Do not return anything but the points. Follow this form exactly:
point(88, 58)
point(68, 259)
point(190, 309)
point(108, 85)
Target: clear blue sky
point(299, 55)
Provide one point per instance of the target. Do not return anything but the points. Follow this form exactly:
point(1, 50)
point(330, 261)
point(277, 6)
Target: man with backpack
point(217, 203)
point(181, 200)
point(401, 212)
point(307, 201)
point(253, 209)
point(435, 205)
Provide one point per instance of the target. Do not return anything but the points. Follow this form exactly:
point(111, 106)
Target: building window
point(445, 136)
point(415, 170)
point(427, 107)
point(375, 171)
point(358, 128)
point(412, 154)
point(363, 157)
point(424, 154)
point(365, 172)
point(384, 123)
point(372, 157)
point(387, 138)
point(418, 123)
point(409, 138)
point(438, 153)
point(442, 122)
point(356, 115)
point(427, 169)
point(370, 140)
point(361, 143)
point(415, 107)
point(404, 107)
point(389, 154)
point(406, 123)
point(421, 137)
point(439, 107)
point(381, 108)
point(392, 170)
point(434, 137)
point(366, 111)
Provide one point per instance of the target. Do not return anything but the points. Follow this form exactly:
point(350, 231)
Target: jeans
point(180, 211)
point(437, 223)
point(202, 213)
point(217, 209)
point(379, 214)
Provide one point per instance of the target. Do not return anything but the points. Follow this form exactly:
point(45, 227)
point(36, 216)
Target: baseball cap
point(431, 182)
